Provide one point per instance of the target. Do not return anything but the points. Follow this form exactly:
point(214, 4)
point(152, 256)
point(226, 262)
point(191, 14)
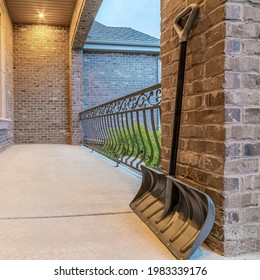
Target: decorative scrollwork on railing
point(147, 98)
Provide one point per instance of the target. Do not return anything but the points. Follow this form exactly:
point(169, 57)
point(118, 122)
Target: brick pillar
point(76, 91)
point(242, 103)
point(219, 138)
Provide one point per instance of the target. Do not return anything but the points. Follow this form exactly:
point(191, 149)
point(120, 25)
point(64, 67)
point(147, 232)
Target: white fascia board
point(125, 46)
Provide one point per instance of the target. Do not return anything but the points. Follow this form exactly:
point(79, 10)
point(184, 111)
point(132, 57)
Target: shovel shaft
point(178, 109)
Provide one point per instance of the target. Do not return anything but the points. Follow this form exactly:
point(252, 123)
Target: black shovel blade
point(180, 216)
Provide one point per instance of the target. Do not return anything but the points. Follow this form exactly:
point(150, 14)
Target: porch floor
point(64, 202)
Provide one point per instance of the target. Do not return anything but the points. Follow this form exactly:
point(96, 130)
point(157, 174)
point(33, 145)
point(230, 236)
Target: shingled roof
point(106, 33)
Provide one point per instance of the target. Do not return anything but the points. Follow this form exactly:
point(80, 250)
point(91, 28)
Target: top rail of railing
point(148, 97)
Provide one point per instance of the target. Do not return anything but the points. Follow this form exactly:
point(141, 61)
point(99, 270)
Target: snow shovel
point(179, 215)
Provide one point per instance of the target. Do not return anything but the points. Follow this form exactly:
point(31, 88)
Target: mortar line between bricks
point(65, 216)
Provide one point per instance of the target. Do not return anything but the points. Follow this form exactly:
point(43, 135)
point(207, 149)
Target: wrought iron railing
point(127, 129)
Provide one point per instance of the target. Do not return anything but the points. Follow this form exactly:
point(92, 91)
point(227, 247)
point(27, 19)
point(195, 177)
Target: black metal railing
point(127, 129)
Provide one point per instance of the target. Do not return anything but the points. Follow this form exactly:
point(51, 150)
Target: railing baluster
point(137, 146)
point(110, 139)
point(121, 138)
point(158, 146)
point(90, 132)
point(127, 129)
point(95, 123)
point(142, 140)
point(103, 127)
point(148, 138)
point(126, 145)
point(117, 137)
point(130, 137)
point(111, 131)
point(96, 127)
point(101, 132)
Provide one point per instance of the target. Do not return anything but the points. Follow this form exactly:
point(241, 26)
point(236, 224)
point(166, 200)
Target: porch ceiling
point(58, 12)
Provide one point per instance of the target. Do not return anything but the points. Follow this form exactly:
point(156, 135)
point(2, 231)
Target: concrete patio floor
point(64, 202)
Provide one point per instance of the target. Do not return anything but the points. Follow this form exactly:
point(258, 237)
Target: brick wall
point(111, 75)
point(219, 145)
point(201, 146)
point(242, 102)
point(41, 84)
point(7, 135)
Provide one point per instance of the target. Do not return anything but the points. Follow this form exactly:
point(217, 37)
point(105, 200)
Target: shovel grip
point(184, 32)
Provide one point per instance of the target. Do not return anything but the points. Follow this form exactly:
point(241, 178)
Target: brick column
point(242, 103)
point(83, 17)
point(221, 102)
point(76, 91)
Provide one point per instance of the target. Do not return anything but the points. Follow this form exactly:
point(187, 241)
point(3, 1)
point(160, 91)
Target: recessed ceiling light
point(41, 15)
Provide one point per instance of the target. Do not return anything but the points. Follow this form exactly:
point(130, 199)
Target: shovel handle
point(184, 32)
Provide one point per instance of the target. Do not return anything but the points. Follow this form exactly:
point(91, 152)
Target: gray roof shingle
point(102, 32)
